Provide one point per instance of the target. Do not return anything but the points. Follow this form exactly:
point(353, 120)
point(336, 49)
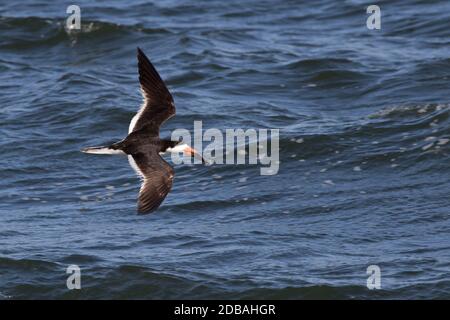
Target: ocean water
point(364, 150)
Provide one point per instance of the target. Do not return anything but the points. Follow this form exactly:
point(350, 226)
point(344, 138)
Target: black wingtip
point(141, 55)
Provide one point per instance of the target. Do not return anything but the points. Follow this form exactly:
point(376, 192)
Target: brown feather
point(157, 181)
point(158, 103)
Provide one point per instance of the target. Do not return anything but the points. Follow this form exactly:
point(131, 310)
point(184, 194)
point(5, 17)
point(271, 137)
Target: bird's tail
point(102, 150)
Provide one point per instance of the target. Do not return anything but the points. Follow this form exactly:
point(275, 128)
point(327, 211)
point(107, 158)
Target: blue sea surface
point(364, 178)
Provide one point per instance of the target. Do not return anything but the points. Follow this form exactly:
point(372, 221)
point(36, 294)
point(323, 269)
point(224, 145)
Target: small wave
point(26, 264)
point(436, 111)
point(321, 63)
point(33, 32)
point(407, 135)
point(80, 259)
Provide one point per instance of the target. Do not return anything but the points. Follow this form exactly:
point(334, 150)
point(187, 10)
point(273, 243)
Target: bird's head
point(180, 146)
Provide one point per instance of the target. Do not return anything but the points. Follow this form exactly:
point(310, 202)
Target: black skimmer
point(143, 145)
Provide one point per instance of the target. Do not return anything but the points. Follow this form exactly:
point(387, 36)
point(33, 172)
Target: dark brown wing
point(158, 103)
point(157, 181)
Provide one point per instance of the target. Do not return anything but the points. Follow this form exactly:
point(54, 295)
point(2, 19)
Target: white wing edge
point(135, 167)
point(138, 115)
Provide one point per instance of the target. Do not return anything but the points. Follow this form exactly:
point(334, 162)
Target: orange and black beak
point(193, 153)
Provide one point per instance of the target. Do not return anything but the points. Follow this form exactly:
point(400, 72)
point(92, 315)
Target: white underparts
point(97, 150)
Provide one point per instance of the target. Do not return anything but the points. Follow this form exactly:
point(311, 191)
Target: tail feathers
point(102, 150)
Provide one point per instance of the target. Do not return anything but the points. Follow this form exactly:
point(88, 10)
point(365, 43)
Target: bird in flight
point(143, 146)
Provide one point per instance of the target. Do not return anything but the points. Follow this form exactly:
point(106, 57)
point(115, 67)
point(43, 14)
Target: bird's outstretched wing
point(157, 178)
point(158, 105)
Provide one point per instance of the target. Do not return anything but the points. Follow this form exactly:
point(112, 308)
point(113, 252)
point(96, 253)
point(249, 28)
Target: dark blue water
point(364, 130)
